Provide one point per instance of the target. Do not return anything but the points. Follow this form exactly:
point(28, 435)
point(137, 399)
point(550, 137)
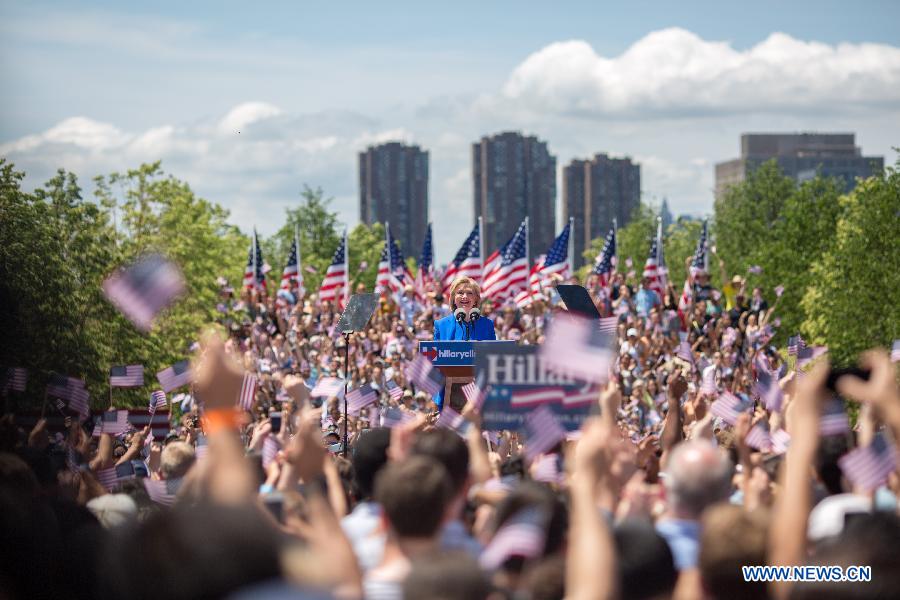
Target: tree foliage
point(853, 300)
point(58, 248)
point(319, 238)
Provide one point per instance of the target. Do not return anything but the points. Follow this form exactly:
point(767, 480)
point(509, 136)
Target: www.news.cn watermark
point(808, 573)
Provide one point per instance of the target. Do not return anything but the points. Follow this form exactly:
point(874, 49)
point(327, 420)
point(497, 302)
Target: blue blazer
point(449, 328)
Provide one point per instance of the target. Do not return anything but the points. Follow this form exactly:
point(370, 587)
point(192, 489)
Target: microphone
point(474, 315)
point(460, 314)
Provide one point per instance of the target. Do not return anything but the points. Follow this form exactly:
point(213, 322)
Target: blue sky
point(101, 86)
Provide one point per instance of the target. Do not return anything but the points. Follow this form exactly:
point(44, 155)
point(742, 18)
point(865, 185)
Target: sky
point(248, 102)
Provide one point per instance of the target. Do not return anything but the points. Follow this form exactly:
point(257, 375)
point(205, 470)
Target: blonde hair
point(458, 283)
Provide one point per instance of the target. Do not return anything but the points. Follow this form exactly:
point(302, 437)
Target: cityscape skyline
point(248, 104)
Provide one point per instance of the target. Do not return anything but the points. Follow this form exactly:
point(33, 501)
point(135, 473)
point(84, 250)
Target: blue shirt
point(644, 300)
point(683, 537)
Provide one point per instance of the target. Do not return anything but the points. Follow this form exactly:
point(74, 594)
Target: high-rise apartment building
point(801, 156)
point(514, 176)
point(595, 192)
point(393, 188)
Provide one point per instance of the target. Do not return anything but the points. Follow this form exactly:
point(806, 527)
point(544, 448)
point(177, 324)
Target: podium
point(456, 362)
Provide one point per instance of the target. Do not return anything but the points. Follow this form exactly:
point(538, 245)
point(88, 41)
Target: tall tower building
point(800, 156)
point(393, 188)
point(595, 192)
point(514, 176)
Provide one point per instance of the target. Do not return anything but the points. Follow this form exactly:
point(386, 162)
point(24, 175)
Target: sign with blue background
point(449, 353)
point(517, 383)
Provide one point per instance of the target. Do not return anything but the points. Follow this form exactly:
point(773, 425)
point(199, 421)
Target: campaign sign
point(456, 353)
point(517, 383)
point(448, 353)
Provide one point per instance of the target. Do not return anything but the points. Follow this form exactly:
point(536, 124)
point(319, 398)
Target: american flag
point(758, 437)
point(270, 449)
point(425, 274)
point(780, 441)
point(360, 397)
point(809, 353)
point(588, 394)
point(684, 352)
point(392, 417)
point(157, 400)
point(556, 260)
point(67, 388)
point(708, 385)
point(767, 388)
point(162, 491)
point(254, 277)
point(546, 469)
point(537, 396)
point(126, 376)
point(755, 269)
point(779, 290)
point(292, 273)
point(527, 294)
point(609, 325)
point(143, 289)
point(834, 419)
point(867, 468)
point(603, 265)
point(335, 286)
point(393, 390)
point(79, 401)
point(506, 270)
point(544, 432)
point(895, 351)
point(521, 535)
point(655, 267)
point(467, 262)
point(795, 344)
point(450, 419)
point(175, 376)
point(112, 422)
point(576, 345)
point(328, 387)
point(393, 273)
point(16, 379)
point(700, 262)
point(424, 375)
point(107, 478)
point(248, 391)
point(729, 407)
point(474, 394)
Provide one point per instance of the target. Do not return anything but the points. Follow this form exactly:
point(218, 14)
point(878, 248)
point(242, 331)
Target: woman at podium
point(464, 323)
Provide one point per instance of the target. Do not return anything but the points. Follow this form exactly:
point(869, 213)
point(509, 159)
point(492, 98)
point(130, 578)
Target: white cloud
point(673, 71)
point(244, 114)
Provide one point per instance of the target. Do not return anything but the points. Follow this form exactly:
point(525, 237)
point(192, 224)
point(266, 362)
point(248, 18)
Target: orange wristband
point(220, 418)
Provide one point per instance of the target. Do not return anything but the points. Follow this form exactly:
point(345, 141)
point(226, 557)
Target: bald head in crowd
point(698, 475)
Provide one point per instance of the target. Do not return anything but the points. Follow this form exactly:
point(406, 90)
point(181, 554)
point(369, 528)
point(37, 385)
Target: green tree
point(366, 243)
point(852, 303)
point(746, 215)
point(804, 230)
point(633, 240)
point(319, 238)
point(680, 243)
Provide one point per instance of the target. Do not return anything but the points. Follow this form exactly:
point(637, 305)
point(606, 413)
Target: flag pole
point(571, 246)
point(481, 247)
point(346, 270)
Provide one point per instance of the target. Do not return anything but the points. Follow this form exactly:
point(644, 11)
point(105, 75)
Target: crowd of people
point(661, 494)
